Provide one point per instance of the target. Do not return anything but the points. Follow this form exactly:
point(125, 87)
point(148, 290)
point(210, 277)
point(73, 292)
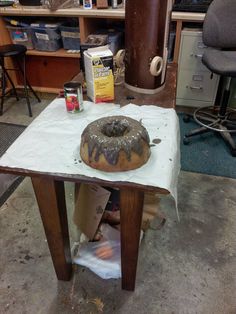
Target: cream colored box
point(90, 203)
point(99, 74)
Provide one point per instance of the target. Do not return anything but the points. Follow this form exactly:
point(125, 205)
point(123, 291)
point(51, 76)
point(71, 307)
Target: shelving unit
point(95, 13)
point(49, 70)
point(61, 53)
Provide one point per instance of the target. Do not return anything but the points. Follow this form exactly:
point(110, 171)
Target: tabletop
point(50, 147)
point(165, 98)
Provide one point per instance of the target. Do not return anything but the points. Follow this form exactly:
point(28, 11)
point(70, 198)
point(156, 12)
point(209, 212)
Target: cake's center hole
point(115, 128)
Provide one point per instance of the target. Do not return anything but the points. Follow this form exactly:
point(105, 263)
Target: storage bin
point(70, 37)
point(115, 39)
point(46, 37)
point(21, 36)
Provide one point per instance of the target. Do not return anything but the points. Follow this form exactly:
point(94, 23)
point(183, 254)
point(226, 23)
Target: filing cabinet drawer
point(197, 86)
point(191, 51)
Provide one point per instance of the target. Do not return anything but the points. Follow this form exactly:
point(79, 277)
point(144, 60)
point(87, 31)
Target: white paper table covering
point(51, 144)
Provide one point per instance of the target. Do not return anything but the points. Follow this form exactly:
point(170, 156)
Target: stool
point(17, 52)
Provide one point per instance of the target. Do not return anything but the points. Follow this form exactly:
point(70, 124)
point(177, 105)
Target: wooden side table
point(50, 194)
point(49, 187)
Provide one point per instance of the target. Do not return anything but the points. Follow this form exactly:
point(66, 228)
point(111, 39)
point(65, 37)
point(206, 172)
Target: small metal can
point(73, 97)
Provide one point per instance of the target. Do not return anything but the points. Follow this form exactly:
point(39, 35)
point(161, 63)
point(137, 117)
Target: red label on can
point(73, 97)
point(72, 102)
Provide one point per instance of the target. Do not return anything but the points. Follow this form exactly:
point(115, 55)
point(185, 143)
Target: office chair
point(219, 35)
point(17, 53)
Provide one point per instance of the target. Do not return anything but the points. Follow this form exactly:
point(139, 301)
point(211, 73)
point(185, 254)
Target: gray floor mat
point(8, 183)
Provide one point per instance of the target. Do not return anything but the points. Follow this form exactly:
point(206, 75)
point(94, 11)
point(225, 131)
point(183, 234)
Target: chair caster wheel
point(186, 118)
point(233, 152)
point(186, 141)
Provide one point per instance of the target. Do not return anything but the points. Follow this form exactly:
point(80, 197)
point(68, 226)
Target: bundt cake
point(115, 143)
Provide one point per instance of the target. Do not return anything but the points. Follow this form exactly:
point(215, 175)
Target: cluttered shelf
point(95, 13)
point(89, 19)
point(89, 22)
point(40, 11)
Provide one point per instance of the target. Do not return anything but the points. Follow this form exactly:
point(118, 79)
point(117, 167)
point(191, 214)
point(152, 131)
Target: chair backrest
point(219, 28)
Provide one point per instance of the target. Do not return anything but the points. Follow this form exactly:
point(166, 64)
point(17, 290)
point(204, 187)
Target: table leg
point(131, 206)
point(50, 196)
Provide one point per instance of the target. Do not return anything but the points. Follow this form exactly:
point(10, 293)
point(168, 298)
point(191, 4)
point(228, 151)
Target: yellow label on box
point(99, 74)
point(103, 80)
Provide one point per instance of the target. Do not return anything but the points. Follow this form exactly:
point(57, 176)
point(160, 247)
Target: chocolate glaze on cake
point(110, 135)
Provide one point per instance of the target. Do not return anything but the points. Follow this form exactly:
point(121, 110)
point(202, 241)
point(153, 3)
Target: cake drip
point(110, 135)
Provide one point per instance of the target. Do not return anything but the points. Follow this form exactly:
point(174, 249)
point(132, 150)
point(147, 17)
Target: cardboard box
point(99, 74)
point(90, 203)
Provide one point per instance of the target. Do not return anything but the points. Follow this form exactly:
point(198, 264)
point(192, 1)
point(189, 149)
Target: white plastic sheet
point(85, 254)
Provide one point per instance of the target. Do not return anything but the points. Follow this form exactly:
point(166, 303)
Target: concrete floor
point(186, 267)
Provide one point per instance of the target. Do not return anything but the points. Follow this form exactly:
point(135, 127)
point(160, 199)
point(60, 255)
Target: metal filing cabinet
point(196, 85)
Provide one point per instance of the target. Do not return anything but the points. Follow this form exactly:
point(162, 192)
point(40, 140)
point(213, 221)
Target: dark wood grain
point(164, 98)
point(50, 196)
point(131, 207)
point(81, 179)
point(51, 72)
point(144, 39)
